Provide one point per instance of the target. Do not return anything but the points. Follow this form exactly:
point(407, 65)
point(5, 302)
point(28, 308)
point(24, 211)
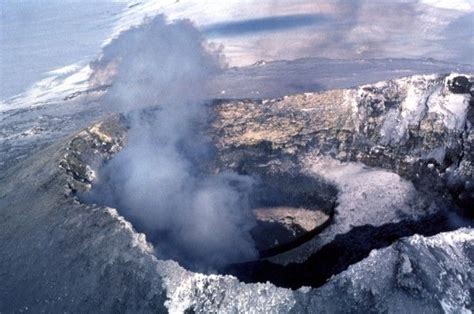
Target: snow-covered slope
point(417, 274)
point(61, 255)
point(44, 40)
point(246, 31)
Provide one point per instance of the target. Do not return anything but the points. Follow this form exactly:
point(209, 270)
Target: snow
point(452, 107)
point(421, 95)
point(225, 294)
point(66, 69)
point(138, 239)
point(419, 89)
point(367, 196)
point(38, 37)
point(458, 5)
point(407, 276)
point(448, 239)
point(63, 83)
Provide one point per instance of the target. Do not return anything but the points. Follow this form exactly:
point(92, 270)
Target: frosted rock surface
point(417, 274)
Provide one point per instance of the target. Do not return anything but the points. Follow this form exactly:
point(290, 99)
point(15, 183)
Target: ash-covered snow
point(453, 107)
point(23, 131)
point(367, 196)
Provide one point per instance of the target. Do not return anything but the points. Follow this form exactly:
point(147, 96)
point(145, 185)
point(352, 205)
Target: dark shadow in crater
point(335, 257)
point(295, 191)
point(290, 189)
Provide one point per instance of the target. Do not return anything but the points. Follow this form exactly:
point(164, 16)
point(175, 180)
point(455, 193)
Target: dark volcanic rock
point(460, 85)
point(90, 148)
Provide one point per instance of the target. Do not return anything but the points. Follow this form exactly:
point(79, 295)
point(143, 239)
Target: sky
point(37, 37)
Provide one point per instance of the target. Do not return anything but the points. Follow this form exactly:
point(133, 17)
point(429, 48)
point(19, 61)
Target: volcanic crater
point(292, 206)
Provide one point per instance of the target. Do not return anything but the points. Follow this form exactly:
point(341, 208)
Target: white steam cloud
point(161, 180)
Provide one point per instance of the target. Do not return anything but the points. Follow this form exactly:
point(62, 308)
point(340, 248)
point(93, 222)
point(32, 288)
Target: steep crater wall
point(289, 207)
point(419, 127)
point(271, 138)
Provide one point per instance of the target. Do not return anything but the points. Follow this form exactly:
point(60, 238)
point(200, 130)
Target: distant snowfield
point(39, 38)
point(46, 48)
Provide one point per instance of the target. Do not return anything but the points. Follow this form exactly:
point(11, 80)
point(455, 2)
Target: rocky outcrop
point(416, 126)
point(460, 85)
point(90, 149)
point(417, 274)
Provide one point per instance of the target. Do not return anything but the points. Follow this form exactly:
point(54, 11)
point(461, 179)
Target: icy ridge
point(423, 94)
point(418, 274)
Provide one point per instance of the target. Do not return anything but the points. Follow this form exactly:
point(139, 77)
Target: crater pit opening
point(285, 210)
point(283, 207)
point(289, 208)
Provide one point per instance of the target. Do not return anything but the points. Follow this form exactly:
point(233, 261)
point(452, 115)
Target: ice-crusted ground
point(367, 196)
point(416, 274)
point(424, 95)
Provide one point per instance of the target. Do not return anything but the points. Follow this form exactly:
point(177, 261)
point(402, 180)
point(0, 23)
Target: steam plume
point(160, 180)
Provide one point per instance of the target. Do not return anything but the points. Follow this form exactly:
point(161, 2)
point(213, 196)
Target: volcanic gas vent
point(219, 219)
point(204, 215)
